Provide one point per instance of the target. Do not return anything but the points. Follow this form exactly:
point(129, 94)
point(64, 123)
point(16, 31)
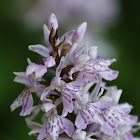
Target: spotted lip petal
point(112, 119)
point(52, 127)
point(70, 91)
point(86, 115)
point(25, 100)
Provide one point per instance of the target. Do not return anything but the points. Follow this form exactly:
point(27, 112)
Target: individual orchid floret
point(36, 71)
point(53, 125)
point(69, 91)
point(91, 113)
point(25, 99)
point(94, 67)
point(53, 122)
point(115, 119)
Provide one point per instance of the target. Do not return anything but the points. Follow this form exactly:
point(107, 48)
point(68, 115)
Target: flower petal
point(81, 60)
point(93, 52)
point(32, 125)
point(43, 132)
point(24, 80)
point(46, 37)
point(40, 49)
point(107, 62)
point(114, 94)
point(60, 66)
point(30, 110)
point(49, 62)
point(81, 121)
point(25, 100)
point(109, 74)
point(79, 52)
point(66, 125)
point(31, 68)
point(112, 118)
point(53, 126)
point(67, 104)
point(45, 93)
point(71, 51)
point(79, 135)
point(67, 36)
point(46, 107)
point(39, 70)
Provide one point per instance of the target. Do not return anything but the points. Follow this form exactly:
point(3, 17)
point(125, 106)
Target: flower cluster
point(71, 109)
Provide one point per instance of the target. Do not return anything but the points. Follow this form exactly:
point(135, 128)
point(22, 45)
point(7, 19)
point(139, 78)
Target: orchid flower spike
point(75, 103)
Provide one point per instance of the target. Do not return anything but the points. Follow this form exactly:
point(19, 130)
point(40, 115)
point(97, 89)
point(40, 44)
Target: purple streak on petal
point(66, 125)
point(80, 121)
point(67, 104)
point(27, 102)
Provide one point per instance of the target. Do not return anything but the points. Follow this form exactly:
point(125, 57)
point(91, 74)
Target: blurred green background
point(15, 38)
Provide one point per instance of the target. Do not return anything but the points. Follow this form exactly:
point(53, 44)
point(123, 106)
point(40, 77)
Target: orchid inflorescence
point(72, 108)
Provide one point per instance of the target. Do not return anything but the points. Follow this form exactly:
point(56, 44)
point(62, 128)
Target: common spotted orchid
point(71, 110)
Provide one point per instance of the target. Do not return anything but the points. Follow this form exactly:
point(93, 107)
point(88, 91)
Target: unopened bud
point(79, 32)
point(53, 22)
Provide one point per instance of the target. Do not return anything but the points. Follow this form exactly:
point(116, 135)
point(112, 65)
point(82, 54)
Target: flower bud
point(53, 22)
point(79, 32)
